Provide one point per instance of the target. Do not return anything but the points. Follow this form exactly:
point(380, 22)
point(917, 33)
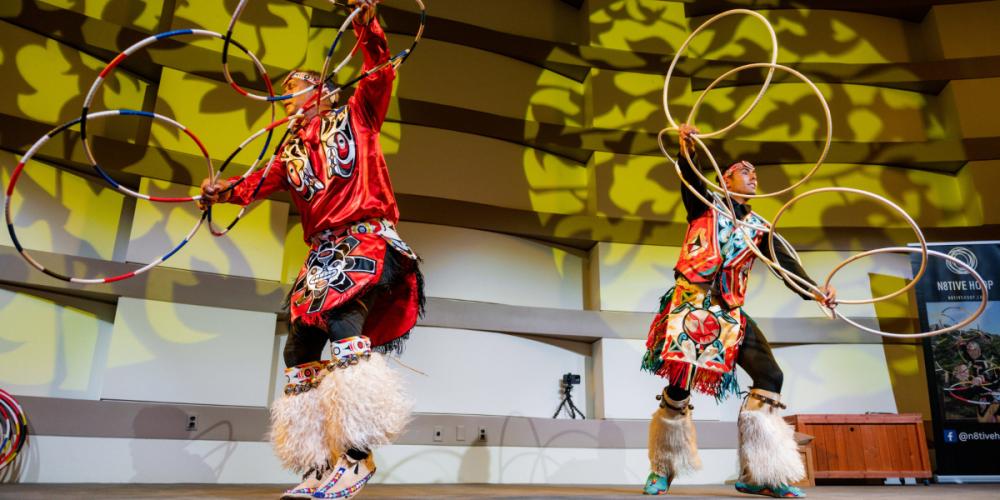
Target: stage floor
point(47, 491)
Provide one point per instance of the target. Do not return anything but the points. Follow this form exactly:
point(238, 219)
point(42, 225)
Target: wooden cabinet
point(806, 453)
point(866, 446)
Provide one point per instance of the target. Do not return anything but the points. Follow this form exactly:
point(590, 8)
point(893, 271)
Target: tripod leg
point(574, 410)
point(561, 405)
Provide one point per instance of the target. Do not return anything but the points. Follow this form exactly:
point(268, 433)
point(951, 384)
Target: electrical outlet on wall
point(192, 423)
point(482, 434)
point(438, 433)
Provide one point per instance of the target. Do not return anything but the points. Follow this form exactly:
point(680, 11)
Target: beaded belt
point(371, 226)
point(380, 227)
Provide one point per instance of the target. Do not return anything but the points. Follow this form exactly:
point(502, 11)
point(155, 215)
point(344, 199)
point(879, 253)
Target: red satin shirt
point(333, 165)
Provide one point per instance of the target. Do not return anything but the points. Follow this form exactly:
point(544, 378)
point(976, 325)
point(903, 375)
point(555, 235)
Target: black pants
point(305, 343)
point(755, 358)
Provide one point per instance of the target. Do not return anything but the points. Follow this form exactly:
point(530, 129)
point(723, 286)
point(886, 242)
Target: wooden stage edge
point(143, 491)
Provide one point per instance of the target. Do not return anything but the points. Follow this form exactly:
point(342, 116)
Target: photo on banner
point(963, 366)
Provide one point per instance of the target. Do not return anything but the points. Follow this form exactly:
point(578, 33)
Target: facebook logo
point(950, 436)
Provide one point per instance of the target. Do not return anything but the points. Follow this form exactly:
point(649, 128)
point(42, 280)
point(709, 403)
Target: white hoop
point(767, 81)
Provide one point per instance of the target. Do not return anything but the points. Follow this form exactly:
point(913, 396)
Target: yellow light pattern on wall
point(252, 249)
point(276, 32)
point(60, 211)
point(222, 120)
point(47, 81)
point(48, 348)
point(143, 15)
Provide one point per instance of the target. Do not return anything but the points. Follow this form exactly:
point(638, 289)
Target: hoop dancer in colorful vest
point(701, 333)
point(360, 289)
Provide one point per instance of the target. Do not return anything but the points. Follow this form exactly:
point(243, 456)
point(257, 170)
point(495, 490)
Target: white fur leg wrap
point(768, 453)
point(673, 446)
point(297, 431)
point(365, 405)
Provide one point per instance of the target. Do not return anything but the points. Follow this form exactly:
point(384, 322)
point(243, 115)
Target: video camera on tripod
point(568, 381)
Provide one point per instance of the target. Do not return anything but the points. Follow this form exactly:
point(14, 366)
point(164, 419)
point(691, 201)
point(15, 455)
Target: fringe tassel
point(394, 346)
point(657, 330)
point(724, 386)
point(421, 299)
point(652, 360)
point(665, 300)
point(715, 384)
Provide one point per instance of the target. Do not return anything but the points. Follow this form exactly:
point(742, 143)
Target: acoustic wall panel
point(180, 353)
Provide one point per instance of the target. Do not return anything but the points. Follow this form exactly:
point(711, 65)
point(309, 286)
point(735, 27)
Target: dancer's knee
point(770, 379)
